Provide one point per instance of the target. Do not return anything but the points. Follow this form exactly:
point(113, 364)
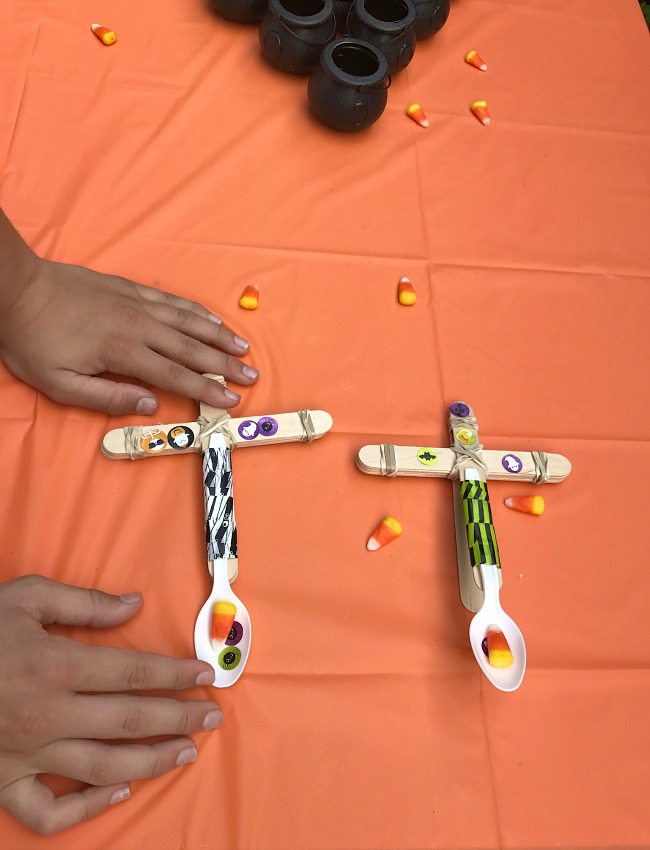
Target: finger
point(113, 397)
point(34, 804)
point(128, 717)
point(106, 764)
point(113, 670)
point(198, 327)
point(52, 602)
point(159, 296)
point(169, 375)
point(198, 356)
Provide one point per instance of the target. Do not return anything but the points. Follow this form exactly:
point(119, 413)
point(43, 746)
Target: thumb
point(108, 396)
point(51, 602)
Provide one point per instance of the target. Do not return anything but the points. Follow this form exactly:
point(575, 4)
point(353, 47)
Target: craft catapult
point(222, 632)
point(469, 467)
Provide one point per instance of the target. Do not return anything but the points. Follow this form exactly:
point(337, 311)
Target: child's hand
point(70, 324)
point(50, 724)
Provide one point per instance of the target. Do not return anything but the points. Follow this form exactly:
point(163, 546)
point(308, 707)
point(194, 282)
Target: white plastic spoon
point(227, 656)
point(492, 614)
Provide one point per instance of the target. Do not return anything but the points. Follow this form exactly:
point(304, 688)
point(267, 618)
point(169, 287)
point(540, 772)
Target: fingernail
point(249, 372)
point(146, 405)
point(120, 795)
point(213, 719)
point(186, 756)
point(241, 343)
point(205, 678)
point(231, 396)
point(214, 318)
point(131, 597)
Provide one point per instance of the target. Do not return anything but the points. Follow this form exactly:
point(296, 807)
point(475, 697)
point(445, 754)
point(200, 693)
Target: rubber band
point(463, 454)
point(540, 460)
point(387, 460)
point(216, 426)
point(307, 426)
point(132, 435)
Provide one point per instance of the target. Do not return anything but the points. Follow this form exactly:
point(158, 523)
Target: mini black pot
point(431, 16)
point(294, 32)
point(242, 11)
point(389, 25)
point(348, 89)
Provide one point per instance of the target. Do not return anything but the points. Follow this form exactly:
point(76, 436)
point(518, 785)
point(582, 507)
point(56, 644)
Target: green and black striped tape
point(481, 537)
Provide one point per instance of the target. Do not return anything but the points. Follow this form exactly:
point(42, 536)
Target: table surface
point(177, 158)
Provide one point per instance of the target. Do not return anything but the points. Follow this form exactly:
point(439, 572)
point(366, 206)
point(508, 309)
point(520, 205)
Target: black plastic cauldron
point(242, 11)
point(348, 89)
point(294, 32)
point(389, 25)
point(431, 16)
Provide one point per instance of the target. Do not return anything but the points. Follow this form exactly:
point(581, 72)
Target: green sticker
point(427, 456)
point(466, 437)
point(229, 658)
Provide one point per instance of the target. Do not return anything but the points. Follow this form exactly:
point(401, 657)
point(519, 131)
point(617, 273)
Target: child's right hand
point(60, 699)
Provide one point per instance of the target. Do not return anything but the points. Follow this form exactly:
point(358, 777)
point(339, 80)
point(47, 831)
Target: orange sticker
point(153, 441)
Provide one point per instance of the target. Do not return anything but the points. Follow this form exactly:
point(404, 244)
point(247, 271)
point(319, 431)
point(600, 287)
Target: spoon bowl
point(228, 657)
point(492, 614)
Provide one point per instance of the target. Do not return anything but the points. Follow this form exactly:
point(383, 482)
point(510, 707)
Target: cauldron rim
point(353, 80)
point(391, 27)
point(279, 10)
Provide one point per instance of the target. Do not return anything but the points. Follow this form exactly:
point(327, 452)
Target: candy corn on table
point(175, 157)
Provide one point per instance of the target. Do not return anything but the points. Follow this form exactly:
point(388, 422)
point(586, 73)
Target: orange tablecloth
point(177, 158)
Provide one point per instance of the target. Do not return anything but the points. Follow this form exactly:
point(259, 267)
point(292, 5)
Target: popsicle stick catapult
point(469, 467)
point(222, 632)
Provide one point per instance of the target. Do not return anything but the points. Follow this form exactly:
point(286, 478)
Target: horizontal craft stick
point(183, 437)
point(428, 462)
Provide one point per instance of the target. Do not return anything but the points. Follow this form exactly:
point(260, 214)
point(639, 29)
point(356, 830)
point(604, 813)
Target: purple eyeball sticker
point(512, 463)
point(267, 426)
point(459, 408)
point(248, 429)
point(235, 635)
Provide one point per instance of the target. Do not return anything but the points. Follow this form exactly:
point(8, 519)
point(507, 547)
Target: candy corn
point(526, 504)
point(251, 297)
point(474, 59)
point(499, 654)
point(416, 112)
point(479, 108)
point(405, 292)
point(223, 616)
point(105, 35)
point(387, 530)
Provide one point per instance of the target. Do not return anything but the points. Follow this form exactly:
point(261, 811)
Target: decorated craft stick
point(432, 462)
point(144, 441)
point(222, 631)
point(465, 452)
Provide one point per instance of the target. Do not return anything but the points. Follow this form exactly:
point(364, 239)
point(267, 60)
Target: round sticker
point(467, 438)
point(180, 437)
point(512, 463)
point(235, 635)
point(153, 440)
point(248, 429)
point(229, 658)
point(267, 426)
point(428, 457)
point(459, 408)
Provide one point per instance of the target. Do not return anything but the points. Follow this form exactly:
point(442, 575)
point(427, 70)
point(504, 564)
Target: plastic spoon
point(229, 654)
point(492, 614)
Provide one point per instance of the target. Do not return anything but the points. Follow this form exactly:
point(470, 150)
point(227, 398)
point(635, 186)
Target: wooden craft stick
point(430, 462)
point(183, 437)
